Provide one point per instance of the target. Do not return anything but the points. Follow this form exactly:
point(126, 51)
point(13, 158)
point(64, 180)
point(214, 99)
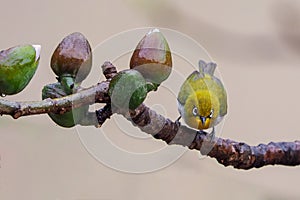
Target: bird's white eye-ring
point(195, 111)
point(211, 113)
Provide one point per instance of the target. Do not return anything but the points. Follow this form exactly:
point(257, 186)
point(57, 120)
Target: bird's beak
point(203, 120)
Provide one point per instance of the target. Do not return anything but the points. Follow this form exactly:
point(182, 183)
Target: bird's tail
point(207, 68)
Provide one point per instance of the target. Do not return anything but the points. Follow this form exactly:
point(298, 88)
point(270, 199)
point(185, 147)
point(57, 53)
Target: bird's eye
point(211, 113)
point(195, 111)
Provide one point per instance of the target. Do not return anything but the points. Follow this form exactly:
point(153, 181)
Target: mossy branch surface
point(227, 152)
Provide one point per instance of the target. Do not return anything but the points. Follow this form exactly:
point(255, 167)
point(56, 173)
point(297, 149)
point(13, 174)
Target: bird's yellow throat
point(201, 109)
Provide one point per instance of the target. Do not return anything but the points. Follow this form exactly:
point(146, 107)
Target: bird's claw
point(210, 135)
point(177, 122)
point(201, 132)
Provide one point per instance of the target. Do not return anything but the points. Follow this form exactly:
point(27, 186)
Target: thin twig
point(95, 94)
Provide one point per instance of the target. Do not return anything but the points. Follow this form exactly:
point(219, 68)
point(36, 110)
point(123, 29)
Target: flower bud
point(128, 89)
point(72, 57)
point(68, 119)
point(17, 67)
point(152, 57)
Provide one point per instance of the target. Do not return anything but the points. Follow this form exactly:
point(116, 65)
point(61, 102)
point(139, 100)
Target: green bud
point(152, 57)
point(17, 67)
point(68, 119)
point(128, 89)
point(72, 57)
point(68, 84)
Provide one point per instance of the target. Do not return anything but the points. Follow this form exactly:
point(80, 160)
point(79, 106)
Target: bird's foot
point(201, 132)
point(210, 135)
point(177, 122)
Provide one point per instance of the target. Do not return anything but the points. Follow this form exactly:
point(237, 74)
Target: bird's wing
point(187, 87)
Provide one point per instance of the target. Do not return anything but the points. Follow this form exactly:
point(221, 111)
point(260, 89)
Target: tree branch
point(94, 94)
point(226, 152)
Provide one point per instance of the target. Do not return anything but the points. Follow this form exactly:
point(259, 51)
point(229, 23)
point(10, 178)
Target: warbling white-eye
point(202, 99)
point(17, 67)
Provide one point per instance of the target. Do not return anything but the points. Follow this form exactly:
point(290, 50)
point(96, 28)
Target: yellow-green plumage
point(202, 99)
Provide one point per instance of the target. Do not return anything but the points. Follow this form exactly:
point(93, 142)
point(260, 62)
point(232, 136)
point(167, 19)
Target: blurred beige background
point(256, 45)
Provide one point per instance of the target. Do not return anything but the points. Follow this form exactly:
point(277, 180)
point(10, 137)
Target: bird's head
point(201, 109)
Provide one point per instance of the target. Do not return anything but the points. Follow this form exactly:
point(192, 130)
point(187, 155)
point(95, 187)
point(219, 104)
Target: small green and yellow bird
point(202, 99)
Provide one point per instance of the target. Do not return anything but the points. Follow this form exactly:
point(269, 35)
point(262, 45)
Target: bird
point(17, 67)
point(202, 99)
